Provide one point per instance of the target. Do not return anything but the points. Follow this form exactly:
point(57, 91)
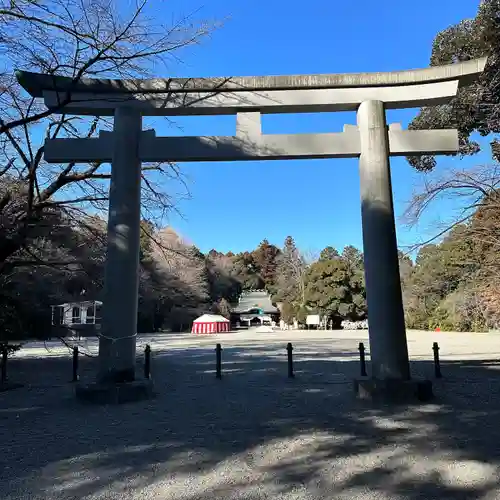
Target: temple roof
point(255, 299)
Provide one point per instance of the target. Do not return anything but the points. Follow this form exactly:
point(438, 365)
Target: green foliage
point(265, 258)
point(246, 270)
point(353, 258)
point(334, 287)
point(450, 285)
point(328, 253)
point(476, 107)
point(447, 286)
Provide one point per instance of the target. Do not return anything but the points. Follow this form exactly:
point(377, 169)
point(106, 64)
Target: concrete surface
point(380, 249)
point(465, 72)
point(268, 101)
point(115, 393)
point(255, 434)
point(394, 390)
point(252, 147)
point(121, 278)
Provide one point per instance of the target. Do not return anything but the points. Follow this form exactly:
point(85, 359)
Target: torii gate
point(369, 94)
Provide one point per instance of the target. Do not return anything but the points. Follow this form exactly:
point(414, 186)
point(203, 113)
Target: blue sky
point(233, 206)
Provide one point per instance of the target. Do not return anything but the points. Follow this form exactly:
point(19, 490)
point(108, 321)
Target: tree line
point(452, 285)
point(331, 285)
point(453, 282)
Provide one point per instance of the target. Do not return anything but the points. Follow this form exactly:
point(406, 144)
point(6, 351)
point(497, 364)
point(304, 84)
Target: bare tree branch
point(92, 38)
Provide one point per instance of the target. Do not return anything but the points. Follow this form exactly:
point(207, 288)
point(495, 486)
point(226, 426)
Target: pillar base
point(115, 393)
point(393, 390)
point(116, 377)
point(8, 386)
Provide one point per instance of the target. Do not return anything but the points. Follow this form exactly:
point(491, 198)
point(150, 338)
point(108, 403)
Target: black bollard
point(147, 362)
point(218, 361)
point(437, 365)
point(75, 364)
point(4, 364)
point(289, 350)
point(362, 360)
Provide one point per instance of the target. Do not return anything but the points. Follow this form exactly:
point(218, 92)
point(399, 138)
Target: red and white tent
point(210, 323)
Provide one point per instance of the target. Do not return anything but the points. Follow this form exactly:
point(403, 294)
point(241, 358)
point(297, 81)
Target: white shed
point(71, 314)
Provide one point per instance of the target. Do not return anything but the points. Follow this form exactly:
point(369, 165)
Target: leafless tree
point(476, 192)
point(75, 38)
point(176, 259)
point(292, 268)
point(471, 188)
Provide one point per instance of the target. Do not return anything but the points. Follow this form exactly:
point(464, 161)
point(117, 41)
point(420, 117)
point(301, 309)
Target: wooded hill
point(452, 285)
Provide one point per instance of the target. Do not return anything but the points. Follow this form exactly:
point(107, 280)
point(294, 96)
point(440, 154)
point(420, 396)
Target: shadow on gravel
point(202, 438)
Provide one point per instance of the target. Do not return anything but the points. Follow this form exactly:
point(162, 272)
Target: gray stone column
point(388, 345)
point(117, 344)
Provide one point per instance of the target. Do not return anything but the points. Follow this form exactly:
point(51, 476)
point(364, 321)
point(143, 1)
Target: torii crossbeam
point(127, 146)
point(250, 144)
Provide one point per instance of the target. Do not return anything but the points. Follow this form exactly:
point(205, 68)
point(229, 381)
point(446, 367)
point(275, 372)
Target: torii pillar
point(117, 343)
point(388, 344)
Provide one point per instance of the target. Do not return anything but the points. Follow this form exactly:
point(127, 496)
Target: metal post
point(147, 361)
point(218, 361)
point(437, 365)
point(75, 364)
point(362, 359)
point(4, 363)
point(289, 350)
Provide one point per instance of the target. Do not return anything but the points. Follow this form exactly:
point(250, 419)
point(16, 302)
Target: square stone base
point(99, 393)
point(394, 391)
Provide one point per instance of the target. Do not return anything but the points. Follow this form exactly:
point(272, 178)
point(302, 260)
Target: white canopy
point(211, 318)
point(210, 323)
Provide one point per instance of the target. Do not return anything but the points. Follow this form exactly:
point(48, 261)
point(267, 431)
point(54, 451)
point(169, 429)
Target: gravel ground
point(255, 434)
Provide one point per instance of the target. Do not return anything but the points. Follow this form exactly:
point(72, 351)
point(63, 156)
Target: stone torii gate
point(127, 146)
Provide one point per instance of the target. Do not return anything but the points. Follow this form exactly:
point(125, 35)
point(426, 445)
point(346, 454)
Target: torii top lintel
point(267, 94)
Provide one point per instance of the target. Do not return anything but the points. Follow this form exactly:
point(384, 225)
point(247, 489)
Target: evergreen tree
point(246, 270)
point(476, 107)
point(265, 257)
point(335, 285)
point(328, 253)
